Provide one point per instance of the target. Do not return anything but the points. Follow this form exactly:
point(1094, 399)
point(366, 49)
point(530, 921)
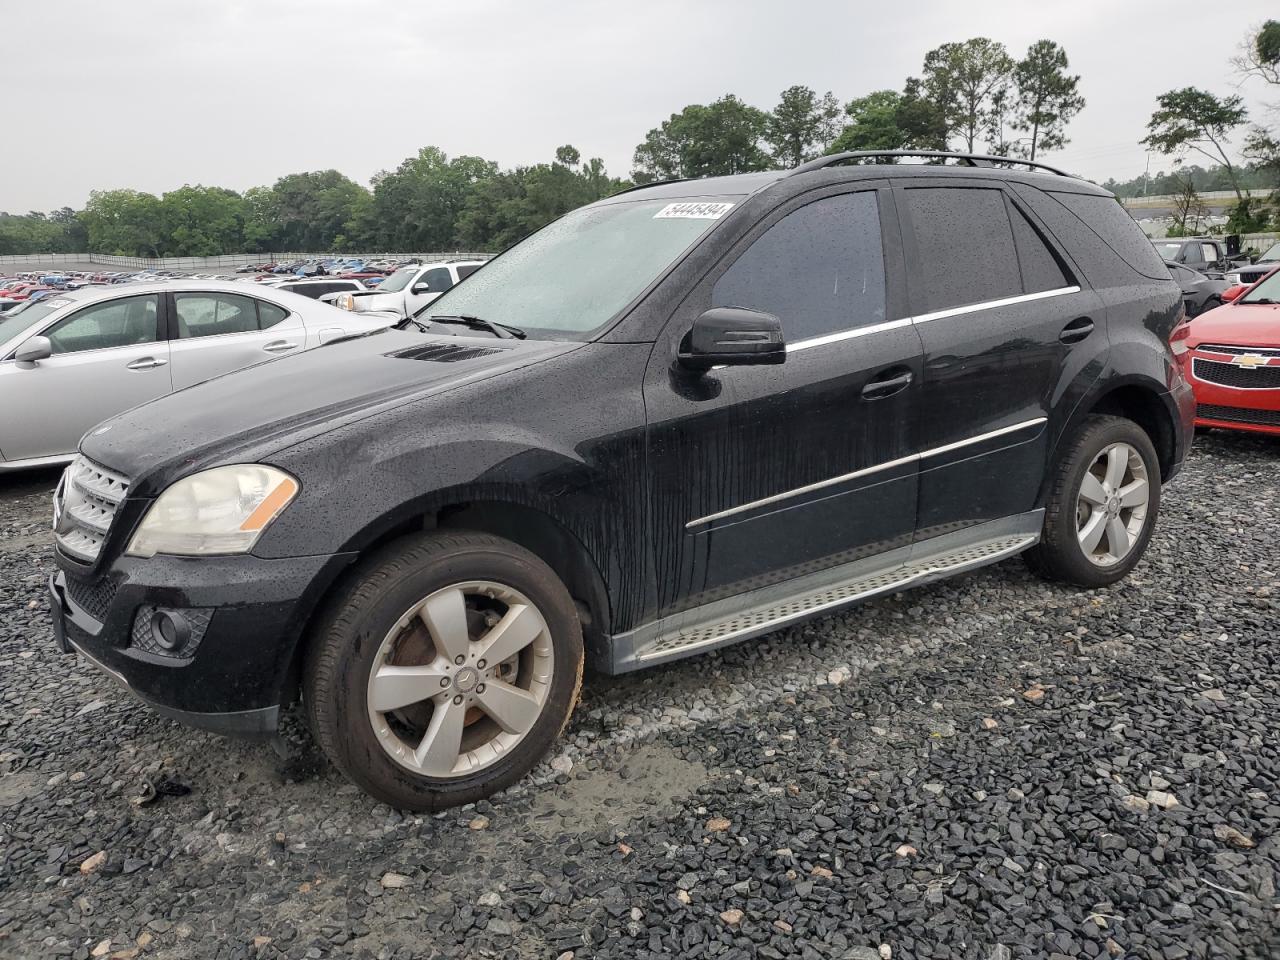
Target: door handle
point(879, 389)
point(1076, 330)
point(146, 363)
point(279, 346)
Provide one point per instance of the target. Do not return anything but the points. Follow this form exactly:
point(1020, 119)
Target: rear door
point(214, 332)
point(107, 358)
point(1006, 328)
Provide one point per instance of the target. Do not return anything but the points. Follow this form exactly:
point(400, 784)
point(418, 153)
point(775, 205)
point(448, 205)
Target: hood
point(249, 415)
point(1238, 324)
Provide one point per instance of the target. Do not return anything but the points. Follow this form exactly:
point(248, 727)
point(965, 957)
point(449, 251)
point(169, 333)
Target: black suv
point(678, 418)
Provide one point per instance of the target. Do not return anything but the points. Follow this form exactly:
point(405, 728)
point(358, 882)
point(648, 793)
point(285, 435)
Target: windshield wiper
point(1266, 300)
point(420, 324)
point(501, 330)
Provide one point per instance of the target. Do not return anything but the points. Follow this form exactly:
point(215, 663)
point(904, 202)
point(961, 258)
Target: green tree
point(888, 120)
point(1196, 120)
point(963, 78)
point(201, 222)
point(704, 141)
point(1047, 97)
point(417, 205)
point(802, 125)
point(123, 222)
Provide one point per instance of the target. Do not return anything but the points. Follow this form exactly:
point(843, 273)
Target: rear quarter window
point(1114, 227)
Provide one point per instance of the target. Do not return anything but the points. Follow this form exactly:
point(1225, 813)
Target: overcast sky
point(152, 95)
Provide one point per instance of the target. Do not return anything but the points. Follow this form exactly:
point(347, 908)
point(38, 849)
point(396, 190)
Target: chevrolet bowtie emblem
point(1251, 360)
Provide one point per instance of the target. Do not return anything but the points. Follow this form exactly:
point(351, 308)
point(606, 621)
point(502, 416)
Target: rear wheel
point(445, 671)
point(1102, 505)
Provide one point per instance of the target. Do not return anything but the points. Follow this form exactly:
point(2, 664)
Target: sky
point(152, 95)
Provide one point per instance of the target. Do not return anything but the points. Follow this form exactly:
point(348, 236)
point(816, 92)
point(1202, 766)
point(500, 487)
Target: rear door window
point(965, 246)
point(214, 314)
point(466, 271)
point(820, 269)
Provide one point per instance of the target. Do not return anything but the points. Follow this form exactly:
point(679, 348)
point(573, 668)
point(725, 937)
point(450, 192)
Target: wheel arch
point(1140, 400)
point(535, 529)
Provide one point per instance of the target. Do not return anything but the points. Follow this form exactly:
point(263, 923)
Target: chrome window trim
point(991, 304)
point(854, 332)
point(866, 471)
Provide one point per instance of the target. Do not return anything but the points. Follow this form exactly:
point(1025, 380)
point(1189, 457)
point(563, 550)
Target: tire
point(474, 592)
point(1072, 516)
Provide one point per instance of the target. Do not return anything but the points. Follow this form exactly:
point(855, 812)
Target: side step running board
point(804, 604)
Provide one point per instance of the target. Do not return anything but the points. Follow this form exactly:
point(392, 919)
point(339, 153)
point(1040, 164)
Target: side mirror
point(1233, 293)
point(421, 288)
point(733, 336)
point(37, 348)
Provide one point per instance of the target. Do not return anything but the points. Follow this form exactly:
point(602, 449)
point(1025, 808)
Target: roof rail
point(968, 159)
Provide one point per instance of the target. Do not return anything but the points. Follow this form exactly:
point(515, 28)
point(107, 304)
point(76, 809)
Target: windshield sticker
point(60, 302)
point(693, 211)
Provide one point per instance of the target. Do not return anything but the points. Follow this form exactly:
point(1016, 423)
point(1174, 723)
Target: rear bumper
point(243, 617)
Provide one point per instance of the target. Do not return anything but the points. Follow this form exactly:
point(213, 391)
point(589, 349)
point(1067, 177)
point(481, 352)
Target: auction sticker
point(693, 211)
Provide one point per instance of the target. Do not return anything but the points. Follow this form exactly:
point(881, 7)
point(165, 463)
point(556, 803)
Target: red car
point(1231, 355)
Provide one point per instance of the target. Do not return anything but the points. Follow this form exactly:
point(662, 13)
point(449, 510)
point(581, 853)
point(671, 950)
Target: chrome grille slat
point(85, 505)
point(1239, 351)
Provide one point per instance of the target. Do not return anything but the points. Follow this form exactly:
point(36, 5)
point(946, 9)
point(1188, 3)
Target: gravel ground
point(991, 767)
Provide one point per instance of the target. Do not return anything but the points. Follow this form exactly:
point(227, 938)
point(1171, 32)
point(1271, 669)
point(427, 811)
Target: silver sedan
point(73, 359)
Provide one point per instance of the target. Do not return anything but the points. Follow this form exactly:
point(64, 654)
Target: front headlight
point(346, 301)
point(223, 510)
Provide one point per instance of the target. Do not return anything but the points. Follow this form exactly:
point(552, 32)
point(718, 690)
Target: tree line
point(973, 95)
point(1193, 122)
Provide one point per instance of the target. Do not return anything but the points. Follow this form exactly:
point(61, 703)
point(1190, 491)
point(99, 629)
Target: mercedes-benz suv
point(675, 419)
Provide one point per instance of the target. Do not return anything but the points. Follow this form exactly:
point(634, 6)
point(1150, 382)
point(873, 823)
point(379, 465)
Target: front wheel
point(445, 671)
point(1101, 510)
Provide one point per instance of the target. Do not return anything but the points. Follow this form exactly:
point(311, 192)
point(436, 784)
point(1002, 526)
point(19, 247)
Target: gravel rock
point(1042, 842)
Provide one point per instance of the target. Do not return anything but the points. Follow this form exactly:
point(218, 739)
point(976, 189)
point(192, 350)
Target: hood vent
point(444, 353)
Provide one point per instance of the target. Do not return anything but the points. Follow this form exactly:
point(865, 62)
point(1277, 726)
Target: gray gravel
point(992, 767)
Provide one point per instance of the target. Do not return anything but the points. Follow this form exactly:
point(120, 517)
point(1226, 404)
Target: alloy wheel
point(1111, 508)
point(460, 679)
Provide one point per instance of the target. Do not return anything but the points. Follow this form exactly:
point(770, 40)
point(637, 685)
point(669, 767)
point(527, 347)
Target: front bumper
point(235, 671)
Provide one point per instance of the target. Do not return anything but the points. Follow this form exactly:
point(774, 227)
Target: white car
point(73, 359)
point(410, 288)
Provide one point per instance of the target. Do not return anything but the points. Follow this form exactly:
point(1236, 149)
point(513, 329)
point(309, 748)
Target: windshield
point(1272, 254)
point(398, 280)
point(1169, 251)
point(27, 315)
point(1264, 291)
point(574, 275)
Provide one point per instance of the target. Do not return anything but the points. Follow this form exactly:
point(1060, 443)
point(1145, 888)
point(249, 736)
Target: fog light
point(170, 630)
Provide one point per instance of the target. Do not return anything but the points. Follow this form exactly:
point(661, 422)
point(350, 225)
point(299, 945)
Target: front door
point(215, 333)
point(429, 285)
point(107, 358)
point(765, 473)
point(1007, 329)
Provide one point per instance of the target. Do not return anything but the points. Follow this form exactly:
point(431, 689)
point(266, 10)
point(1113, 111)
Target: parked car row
point(77, 356)
point(331, 266)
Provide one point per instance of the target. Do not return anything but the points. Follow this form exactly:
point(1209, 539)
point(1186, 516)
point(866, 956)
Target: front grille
point(1235, 375)
point(1260, 418)
point(1239, 351)
point(94, 598)
point(84, 506)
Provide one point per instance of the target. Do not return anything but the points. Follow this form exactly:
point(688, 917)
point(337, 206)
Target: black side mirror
point(733, 336)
